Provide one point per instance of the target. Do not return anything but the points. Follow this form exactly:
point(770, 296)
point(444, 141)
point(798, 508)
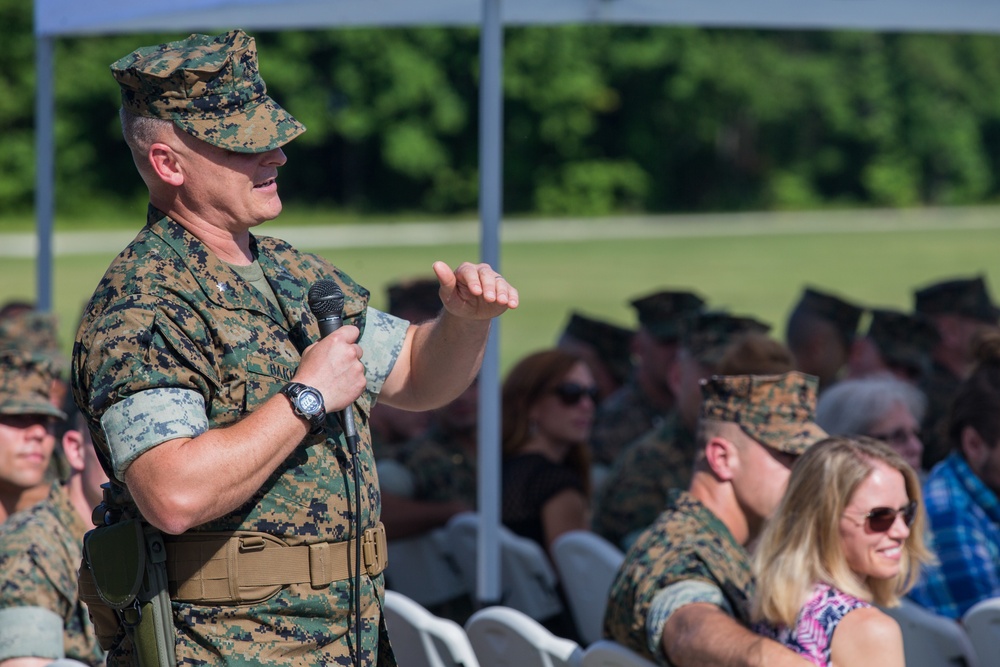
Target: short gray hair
point(852, 407)
point(141, 132)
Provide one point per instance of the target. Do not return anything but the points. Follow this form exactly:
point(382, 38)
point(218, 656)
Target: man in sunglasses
point(682, 594)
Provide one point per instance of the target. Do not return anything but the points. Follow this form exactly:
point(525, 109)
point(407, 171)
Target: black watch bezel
point(295, 391)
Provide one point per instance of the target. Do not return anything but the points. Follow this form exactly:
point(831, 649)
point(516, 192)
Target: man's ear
point(722, 458)
point(72, 444)
point(163, 161)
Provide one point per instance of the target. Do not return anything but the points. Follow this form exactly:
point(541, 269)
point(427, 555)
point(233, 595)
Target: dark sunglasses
point(571, 393)
point(880, 519)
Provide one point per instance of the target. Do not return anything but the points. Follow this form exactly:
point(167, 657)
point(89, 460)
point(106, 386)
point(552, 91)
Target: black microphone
point(326, 301)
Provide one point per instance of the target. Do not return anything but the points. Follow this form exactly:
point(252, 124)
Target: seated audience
point(27, 436)
point(847, 535)
point(682, 595)
point(646, 398)
point(606, 348)
point(820, 332)
point(41, 616)
point(962, 494)
point(881, 407)
point(959, 309)
point(635, 490)
point(896, 343)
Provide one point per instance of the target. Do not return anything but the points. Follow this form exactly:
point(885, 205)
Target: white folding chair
point(607, 653)
point(932, 640)
point(422, 569)
point(421, 639)
point(527, 580)
point(587, 565)
point(982, 624)
point(505, 637)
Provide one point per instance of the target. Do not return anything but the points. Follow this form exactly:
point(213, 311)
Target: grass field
point(759, 275)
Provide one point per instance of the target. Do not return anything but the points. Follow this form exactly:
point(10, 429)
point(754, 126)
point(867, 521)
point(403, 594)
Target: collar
point(980, 494)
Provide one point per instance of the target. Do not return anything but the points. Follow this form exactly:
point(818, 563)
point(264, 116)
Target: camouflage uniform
point(687, 542)
point(40, 612)
point(441, 469)
point(172, 319)
point(624, 416)
point(635, 491)
point(688, 554)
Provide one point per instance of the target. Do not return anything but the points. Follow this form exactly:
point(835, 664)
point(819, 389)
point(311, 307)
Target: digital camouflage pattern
point(778, 411)
point(636, 489)
point(686, 542)
point(35, 333)
point(26, 385)
point(169, 314)
point(441, 469)
point(843, 315)
point(622, 417)
point(960, 296)
point(662, 313)
point(610, 341)
point(210, 87)
point(903, 340)
point(40, 552)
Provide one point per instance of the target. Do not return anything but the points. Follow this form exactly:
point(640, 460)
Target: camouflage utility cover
point(40, 552)
point(210, 87)
point(960, 296)
point(843, 315)
point(903, 339)
point(662, 313)
point(611, 342)
point(775, 410)
point(635, 492)
point(171, 319)
point(707, 336)
point(35, 333)
point(687, 542)
point(26, 385)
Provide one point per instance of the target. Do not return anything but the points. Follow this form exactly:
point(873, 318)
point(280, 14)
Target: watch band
point(307, 403)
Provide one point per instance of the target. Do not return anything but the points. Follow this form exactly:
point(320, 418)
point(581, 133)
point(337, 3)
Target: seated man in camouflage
point(635, 490)
point(41, 616)
point(682, 594)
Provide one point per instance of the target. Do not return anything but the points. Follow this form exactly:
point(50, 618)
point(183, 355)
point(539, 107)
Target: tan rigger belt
point(244, 567)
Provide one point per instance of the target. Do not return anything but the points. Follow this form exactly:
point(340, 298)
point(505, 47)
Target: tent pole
point(490, 211)
point(44, 169)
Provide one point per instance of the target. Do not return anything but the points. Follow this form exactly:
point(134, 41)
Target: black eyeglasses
point(899, 437)
point(880, 519)
point(571, 393)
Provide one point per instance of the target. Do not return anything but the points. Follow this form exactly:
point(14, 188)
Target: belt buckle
point(374, 551)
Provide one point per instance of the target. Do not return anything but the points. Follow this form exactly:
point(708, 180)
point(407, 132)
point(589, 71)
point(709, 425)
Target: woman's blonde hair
point(801, 546)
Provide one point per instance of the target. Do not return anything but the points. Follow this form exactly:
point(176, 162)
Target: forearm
point(439, 359)
point(185, 482)
point(702, 635)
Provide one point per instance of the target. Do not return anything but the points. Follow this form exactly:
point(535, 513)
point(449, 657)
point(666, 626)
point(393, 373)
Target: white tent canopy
point(57, 18)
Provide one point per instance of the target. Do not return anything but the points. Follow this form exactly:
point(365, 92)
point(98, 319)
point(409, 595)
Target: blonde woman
point(848, 535)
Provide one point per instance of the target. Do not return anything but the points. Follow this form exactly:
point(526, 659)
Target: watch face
point(310, 403)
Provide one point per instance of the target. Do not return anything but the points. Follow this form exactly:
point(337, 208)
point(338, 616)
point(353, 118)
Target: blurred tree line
point(598, 119)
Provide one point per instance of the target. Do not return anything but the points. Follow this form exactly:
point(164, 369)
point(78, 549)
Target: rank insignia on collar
point(222, 286)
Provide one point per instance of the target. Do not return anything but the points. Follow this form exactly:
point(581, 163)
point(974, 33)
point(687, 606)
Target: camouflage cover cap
point(25, 385)
point(662, 312)
point(842, 314)
point(962, 296)
point(707, 335)
point(903, 339)
point(610, 340)
point(209, 87)
point(775, 410)
point(33, 332)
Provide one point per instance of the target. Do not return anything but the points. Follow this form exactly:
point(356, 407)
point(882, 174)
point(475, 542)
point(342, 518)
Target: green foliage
point(598, 119)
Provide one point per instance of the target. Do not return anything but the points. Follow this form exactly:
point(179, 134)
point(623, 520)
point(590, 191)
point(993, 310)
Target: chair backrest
point(982, 624)
point(422, 569)
point(932, 640)
point(421, 639)
point(505, 637)
point(607, 653)
point(587, 565)
point(527, 580)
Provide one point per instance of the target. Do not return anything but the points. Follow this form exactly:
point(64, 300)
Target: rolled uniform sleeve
point(382, 341)
point(672, 598)
point(30, 632)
